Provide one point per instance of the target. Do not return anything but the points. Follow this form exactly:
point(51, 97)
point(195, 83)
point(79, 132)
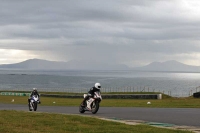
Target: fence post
point(159, 96)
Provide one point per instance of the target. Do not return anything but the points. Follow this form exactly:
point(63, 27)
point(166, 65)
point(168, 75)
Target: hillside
point(169, 66)
point(38, 64)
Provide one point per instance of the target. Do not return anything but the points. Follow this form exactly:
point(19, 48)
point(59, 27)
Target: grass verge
point(164, 103)
point(32, 122)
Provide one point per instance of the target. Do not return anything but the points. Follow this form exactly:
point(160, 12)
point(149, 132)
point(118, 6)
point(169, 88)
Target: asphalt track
point(176, 116)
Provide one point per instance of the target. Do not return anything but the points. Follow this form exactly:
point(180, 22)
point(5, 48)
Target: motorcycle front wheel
point(95, 107)
point(35, 106)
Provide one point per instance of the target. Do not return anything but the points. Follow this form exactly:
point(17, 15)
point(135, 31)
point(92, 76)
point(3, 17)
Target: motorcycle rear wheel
point(81, 109)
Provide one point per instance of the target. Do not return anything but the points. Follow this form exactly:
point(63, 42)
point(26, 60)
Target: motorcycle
point(34, 101)
point(91, 104)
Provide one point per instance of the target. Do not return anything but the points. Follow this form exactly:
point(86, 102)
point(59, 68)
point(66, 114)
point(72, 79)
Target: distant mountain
point(35, 64)
point(38, 64)
point(169, 66)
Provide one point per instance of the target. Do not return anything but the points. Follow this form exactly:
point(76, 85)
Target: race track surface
point(177, 116)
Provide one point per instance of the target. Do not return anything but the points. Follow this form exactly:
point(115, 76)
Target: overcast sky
point(131, 32)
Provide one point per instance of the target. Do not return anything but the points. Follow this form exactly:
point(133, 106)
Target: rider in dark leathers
point(34, 92)
point(96, 87)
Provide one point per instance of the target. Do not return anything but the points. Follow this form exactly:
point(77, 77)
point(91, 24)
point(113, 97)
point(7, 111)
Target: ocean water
point(172, 83)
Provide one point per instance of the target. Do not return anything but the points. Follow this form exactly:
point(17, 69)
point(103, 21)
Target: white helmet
point(97, 85)
point(34, 89)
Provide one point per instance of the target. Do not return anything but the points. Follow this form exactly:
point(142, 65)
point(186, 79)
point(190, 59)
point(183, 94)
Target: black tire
point(95, 107)
point(35, 106)
point(81, 109)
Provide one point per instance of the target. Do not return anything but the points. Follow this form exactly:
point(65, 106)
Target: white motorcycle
point(91, 104)
point(33, 103)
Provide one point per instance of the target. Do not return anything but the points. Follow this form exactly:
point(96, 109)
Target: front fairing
point(97, 95)
point(34, 98)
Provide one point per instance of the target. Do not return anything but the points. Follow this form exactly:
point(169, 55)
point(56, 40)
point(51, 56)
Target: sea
point(176, 84)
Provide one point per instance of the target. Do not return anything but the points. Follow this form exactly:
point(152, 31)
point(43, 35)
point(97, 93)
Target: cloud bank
point(128, 32)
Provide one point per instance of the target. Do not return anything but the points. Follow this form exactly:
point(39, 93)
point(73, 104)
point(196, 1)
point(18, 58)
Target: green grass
point(164, 103)
point(32, 122)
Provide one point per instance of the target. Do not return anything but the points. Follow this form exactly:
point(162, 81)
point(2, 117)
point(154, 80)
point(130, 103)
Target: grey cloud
point(119, 31)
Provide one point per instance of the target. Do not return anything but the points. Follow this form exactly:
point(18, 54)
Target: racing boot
point(84, 100)
point(82, 104)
